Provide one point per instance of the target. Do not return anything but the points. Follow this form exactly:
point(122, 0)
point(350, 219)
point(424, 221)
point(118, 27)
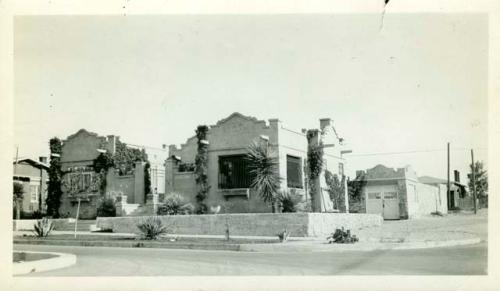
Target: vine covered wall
point(314, 164)
point(201, 169)
point(54, 190)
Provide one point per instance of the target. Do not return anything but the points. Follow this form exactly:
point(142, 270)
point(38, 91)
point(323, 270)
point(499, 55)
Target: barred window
point(294, 172)
point(234, 172)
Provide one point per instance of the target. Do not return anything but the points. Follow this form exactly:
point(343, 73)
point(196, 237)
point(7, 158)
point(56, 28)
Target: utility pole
point(448, 179)
point(18, 203)
point(473, 180)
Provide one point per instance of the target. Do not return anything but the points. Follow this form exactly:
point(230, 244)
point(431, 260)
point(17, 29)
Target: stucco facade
point(398, 194)
point(228, 141)
point(81, 182)
point(33, 176)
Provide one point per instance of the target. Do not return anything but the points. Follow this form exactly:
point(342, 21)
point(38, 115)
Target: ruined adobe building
point(227, 175)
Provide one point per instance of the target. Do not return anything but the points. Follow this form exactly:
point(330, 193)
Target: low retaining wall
point(59, 224)
point(250, 224)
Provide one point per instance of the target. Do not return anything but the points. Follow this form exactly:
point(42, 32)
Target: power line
point(411, 152)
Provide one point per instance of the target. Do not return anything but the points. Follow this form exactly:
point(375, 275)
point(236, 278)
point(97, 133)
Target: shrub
point(106, 208)
point(289, 202)
point(43, 227)
point(151, 228)
point(175, 204)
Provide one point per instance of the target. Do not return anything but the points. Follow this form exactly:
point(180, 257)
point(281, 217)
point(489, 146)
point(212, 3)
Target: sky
point(409, 84)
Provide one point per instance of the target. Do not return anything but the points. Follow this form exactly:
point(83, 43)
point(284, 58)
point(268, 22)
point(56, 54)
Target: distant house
point(125, 182)
point(228, 176)
point(33, 176)
point(399, 193)
point(458, 197)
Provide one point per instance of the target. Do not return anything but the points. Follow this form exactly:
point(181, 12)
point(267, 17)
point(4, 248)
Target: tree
point(355, 192)
point(54, 191)
point(101, 165)
point(201, 169)
point(481, 179)
point(336, 189)
point(18, 192)
point(355, 187)
point(263, 167)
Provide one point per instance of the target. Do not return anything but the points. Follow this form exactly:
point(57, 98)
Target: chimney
point(457, 176)
point(111, 144)
point(164, 146)
point(324, 122)
point(273, 122)
point(42, 160)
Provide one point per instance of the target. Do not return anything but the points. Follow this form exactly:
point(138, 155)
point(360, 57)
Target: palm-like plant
point(263, 166)
point(43, 227)
point(152, 227)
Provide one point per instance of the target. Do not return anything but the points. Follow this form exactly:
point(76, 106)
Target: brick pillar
point(169, 175)
point(139, 183)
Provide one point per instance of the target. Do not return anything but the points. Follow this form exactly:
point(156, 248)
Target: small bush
point(151, 228)
point(106, 208)
point(289, 201)
point(175, 204)
point(43, 227)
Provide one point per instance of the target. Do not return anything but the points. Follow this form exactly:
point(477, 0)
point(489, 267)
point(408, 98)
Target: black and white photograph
point(246, 145)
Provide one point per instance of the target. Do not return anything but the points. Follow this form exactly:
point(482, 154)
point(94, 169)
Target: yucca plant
point(263, 167)
point(151, 228)
point(289, 202)
point(43, 227)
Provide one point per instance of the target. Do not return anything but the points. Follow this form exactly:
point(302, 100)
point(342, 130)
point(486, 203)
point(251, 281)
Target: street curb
point(142, 244)
point(60, 261)
point(357, 247)
point(312, 246)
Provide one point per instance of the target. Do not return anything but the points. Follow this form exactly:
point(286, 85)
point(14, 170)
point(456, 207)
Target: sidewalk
point(425, 232)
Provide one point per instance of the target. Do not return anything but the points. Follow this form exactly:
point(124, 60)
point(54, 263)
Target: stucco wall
point(184, 184)
point(232, 136)
point(88, 207)
point(229, 136)
point(250, 224)
point(431, 199)
point(82, 146)
point(116, 184)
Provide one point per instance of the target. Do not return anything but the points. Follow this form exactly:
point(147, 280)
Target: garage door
point(384, 202)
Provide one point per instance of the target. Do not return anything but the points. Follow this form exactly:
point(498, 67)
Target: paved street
point(97, 261)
